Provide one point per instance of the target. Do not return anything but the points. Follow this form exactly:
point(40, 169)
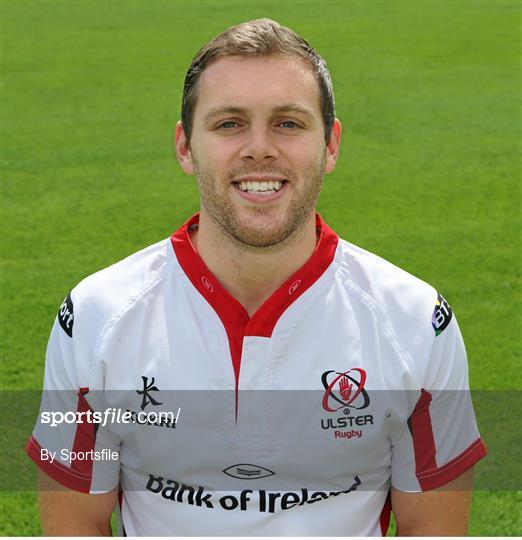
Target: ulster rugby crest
point(344, 393)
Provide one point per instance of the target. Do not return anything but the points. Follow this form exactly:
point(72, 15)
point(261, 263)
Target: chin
point(262, 235)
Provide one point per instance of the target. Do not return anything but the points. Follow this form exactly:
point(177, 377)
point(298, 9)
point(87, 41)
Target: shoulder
point(102, 296)
point(400, 306)
point(395, 291)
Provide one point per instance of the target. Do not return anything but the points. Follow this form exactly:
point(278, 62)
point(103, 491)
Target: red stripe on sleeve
point(421, 431)
point(85, 437)
point(56, 470)
point(79, 475)
point(429, 475)
point(454, 468)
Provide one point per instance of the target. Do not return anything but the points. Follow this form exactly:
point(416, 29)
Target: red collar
point(233, 315)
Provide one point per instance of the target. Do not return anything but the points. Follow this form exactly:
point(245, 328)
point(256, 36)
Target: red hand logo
point(346, 388)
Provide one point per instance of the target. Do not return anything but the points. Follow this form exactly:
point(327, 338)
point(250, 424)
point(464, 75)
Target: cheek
point(215, 157)
point(306, 151)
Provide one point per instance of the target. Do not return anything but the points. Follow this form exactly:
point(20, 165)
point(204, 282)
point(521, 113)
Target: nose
point(259, 145)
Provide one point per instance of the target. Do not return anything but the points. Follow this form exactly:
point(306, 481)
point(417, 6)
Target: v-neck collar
point(233, 315)
point(236, 321)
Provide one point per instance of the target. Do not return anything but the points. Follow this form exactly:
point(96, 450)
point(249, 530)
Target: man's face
point(257, 146)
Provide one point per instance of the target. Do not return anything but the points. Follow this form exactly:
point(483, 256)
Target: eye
point(289, 124)
point(228, 124)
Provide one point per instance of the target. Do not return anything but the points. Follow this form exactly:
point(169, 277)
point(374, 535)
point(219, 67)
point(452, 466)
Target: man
point(317, 386)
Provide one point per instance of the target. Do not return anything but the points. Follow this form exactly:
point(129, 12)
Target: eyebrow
point(223, 110)
point(289, 108)
point(295, 109)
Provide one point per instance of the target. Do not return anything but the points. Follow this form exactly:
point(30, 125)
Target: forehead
point(259, 83)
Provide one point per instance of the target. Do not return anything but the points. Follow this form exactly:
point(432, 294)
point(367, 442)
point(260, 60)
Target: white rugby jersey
point(351, 378)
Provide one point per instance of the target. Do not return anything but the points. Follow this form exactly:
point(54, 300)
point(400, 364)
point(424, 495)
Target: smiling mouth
point(261, 188)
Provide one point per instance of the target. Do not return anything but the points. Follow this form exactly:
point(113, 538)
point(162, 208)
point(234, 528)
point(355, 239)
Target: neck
point(252, 275)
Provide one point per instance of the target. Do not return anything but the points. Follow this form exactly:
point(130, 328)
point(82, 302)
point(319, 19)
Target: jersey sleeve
point(439, 439)
point(67, 443)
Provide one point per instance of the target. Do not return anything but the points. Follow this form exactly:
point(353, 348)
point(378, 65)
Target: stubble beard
point(248, 236)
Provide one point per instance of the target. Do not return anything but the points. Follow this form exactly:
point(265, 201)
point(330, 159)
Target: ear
point(332, 148)
point(182, 147)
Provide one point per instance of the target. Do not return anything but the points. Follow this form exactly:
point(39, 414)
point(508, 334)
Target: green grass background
point(429, 175)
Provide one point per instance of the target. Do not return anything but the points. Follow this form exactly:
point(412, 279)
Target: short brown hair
point(260, 37)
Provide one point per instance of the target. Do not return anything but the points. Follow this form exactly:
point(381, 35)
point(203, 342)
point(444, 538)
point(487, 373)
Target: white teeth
point(264, 188)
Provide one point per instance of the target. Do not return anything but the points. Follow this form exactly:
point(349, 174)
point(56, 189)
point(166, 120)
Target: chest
point(309, 404)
